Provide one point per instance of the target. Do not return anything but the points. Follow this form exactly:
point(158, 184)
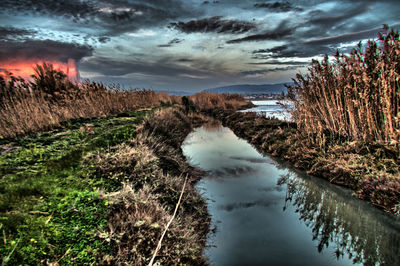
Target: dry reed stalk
point(356, 97)
point(51, 98)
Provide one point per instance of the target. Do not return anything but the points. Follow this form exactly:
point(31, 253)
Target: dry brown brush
point(150, 171)
point(50, 98)
point(206, 101)
point(356, 97)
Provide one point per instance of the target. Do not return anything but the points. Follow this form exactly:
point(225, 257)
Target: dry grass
point(356, 97)
point(136, 223)
point(151, 167)
point(51, 98)
point(206, 101)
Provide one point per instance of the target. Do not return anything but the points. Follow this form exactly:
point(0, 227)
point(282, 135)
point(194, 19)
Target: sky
point(185, 45)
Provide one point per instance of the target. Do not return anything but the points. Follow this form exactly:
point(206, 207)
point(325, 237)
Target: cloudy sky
point(185, 44)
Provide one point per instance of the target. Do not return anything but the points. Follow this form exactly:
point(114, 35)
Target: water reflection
point(267, 214)
point(212, 125)
point(356, 230)
point(244, 205)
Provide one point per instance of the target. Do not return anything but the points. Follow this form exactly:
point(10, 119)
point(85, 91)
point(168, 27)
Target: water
point(265, 213)
point(270, 108)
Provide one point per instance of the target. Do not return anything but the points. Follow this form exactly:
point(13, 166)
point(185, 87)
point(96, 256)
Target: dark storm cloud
point(171, 42)
point(111, 67)
point(268, 70)
point(137, 27)
point(322, 32)
point(208, 2)
point(336, 21)
point(280, 32)
point(74, 9)
point(43, 50)
point(184, 60)
point(11, 33)
point(293, 50)
point(316, 47)
point(284, 6)
point(300, 50)
point(114, 17)
point(317, 23)
point(271, 50)
point(329, 18)
point(277, 62)
point(104, 39)
point(348, 37)
point(214, 24)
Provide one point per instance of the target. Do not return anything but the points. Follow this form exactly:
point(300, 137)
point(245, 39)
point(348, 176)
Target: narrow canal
point(266, 213)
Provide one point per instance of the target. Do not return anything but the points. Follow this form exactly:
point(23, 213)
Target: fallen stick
point(168, 224)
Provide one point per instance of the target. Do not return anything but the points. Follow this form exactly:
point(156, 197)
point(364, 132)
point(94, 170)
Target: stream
point(264, 212)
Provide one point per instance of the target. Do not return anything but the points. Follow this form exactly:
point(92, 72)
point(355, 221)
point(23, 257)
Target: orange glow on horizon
point(24, 68)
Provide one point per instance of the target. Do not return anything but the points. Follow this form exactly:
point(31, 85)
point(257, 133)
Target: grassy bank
point(100, 191)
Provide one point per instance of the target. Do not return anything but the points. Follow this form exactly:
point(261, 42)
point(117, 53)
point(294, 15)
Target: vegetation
point(346, 123)
point(357, 97)
point(50, 210)
point(48, 100)
point(101, 189)
point(153, 168)
point(96, 189)
point(206, 101)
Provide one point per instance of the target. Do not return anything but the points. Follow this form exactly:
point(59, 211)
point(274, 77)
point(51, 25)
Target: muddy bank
point(370, 170)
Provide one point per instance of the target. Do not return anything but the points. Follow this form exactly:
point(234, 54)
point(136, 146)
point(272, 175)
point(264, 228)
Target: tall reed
point(31, 106)
point(356, 97)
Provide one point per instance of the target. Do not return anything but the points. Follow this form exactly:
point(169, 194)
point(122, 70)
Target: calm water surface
point(270, 108)
point(265, 213)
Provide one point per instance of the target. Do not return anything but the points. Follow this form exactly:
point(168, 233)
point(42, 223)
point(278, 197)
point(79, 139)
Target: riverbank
point(370, 170)
point(101, 191)
point(265, 212)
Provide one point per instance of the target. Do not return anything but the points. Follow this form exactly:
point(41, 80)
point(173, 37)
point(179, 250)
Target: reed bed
point(206, 101)
point(50, 98)
point(355, 97)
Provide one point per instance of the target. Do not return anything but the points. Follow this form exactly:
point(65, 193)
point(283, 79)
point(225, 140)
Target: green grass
point(50, 210)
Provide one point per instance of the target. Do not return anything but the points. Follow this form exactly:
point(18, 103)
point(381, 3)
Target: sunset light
point(25, 69)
